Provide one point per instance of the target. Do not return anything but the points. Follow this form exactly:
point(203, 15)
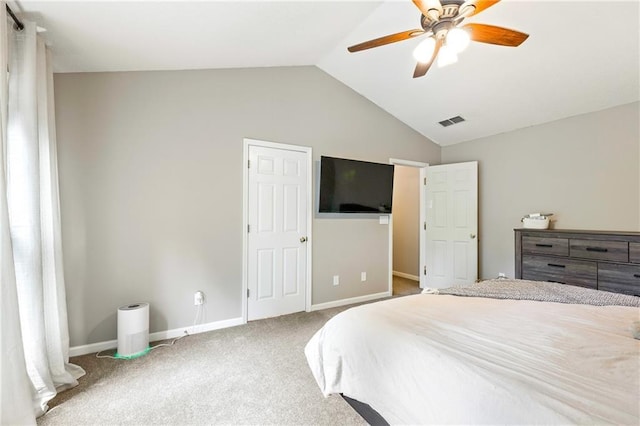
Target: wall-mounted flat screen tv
point(351, 186)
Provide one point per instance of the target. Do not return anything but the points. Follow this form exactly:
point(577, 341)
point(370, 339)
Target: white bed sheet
point(435, 359)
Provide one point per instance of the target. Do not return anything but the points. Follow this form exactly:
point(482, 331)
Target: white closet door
point(277, 247)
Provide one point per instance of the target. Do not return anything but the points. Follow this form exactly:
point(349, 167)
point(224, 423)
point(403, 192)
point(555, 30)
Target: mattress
point(443, 359)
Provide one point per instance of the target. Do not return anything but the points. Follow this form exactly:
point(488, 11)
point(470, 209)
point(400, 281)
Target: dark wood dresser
point(601, 260)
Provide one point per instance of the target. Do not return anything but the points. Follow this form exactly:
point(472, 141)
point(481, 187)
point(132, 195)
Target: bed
point(532, 354)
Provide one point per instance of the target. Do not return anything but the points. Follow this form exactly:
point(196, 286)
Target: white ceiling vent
point(451, 121)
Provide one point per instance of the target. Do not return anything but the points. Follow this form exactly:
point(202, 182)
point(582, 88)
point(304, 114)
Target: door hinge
point(248, 164)
point(247, 293)
point(425, 225)
point(425, 181)
point(248, 228)
point(425, 270)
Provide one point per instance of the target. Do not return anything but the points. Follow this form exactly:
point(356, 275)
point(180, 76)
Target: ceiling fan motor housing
point(441, 28)
point(448, 3)
point(449, 12)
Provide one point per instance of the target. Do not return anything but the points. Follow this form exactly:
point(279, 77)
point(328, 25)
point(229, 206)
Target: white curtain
point(15, 391)
point(32, 199)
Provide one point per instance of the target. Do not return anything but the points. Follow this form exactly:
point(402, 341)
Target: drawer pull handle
point(559, 282)
point(598, 249)
point(555, 265)
point(636, 275)
point(544, 245)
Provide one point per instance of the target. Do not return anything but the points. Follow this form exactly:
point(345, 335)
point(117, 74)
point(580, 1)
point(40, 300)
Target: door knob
point(472, 236)
point(303, 239)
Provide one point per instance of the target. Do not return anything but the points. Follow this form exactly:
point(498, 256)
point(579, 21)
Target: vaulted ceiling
point(581, 56)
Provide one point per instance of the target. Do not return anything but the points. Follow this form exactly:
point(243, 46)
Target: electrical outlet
point(336, 279)
point(363, 276)
point(198, 298)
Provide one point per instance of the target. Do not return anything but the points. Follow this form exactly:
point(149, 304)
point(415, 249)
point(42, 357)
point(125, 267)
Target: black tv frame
point(353, 208)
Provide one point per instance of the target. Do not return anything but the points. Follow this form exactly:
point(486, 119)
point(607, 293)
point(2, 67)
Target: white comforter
point(428, 359)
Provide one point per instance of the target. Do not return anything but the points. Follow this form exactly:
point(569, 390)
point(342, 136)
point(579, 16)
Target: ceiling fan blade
point(423, 67)
point(482, 5)
point(496, 35)
point(392, 38)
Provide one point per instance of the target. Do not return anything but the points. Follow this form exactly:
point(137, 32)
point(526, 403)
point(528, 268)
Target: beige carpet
point(405, 286)
point(250, 374)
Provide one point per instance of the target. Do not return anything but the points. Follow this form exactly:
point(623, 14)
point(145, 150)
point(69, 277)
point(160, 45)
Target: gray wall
point(151, 186)
point(584, 169)
point(406, 220)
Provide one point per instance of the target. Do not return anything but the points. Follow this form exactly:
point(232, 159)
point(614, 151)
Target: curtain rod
point(19, 24)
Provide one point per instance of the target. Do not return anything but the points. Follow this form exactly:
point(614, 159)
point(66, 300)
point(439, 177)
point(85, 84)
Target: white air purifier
point(133, 331)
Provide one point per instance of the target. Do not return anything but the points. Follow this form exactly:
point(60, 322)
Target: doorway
point(406, 234)
point(277, 216)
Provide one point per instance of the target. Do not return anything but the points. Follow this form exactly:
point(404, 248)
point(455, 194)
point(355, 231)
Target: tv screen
point(351, 186)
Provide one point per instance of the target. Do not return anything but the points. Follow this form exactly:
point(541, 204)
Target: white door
point(277, 232)
point(452, 225)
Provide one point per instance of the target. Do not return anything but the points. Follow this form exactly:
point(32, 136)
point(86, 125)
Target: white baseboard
point(92, 347)
point(407, 276)
point(349, 301)
point(158, 335)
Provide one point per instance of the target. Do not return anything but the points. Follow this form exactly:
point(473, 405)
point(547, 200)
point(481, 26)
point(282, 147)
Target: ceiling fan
point(440, 22)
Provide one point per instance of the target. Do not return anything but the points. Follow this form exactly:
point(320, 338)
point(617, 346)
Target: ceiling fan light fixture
point(447, 56)
point(458, 39)
point(423, 51)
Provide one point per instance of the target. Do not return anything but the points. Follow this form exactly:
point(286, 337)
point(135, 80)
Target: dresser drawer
point(615, 251)
point(619, 278)
point(566, 271)
point(545, 245)
point(634, 252)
